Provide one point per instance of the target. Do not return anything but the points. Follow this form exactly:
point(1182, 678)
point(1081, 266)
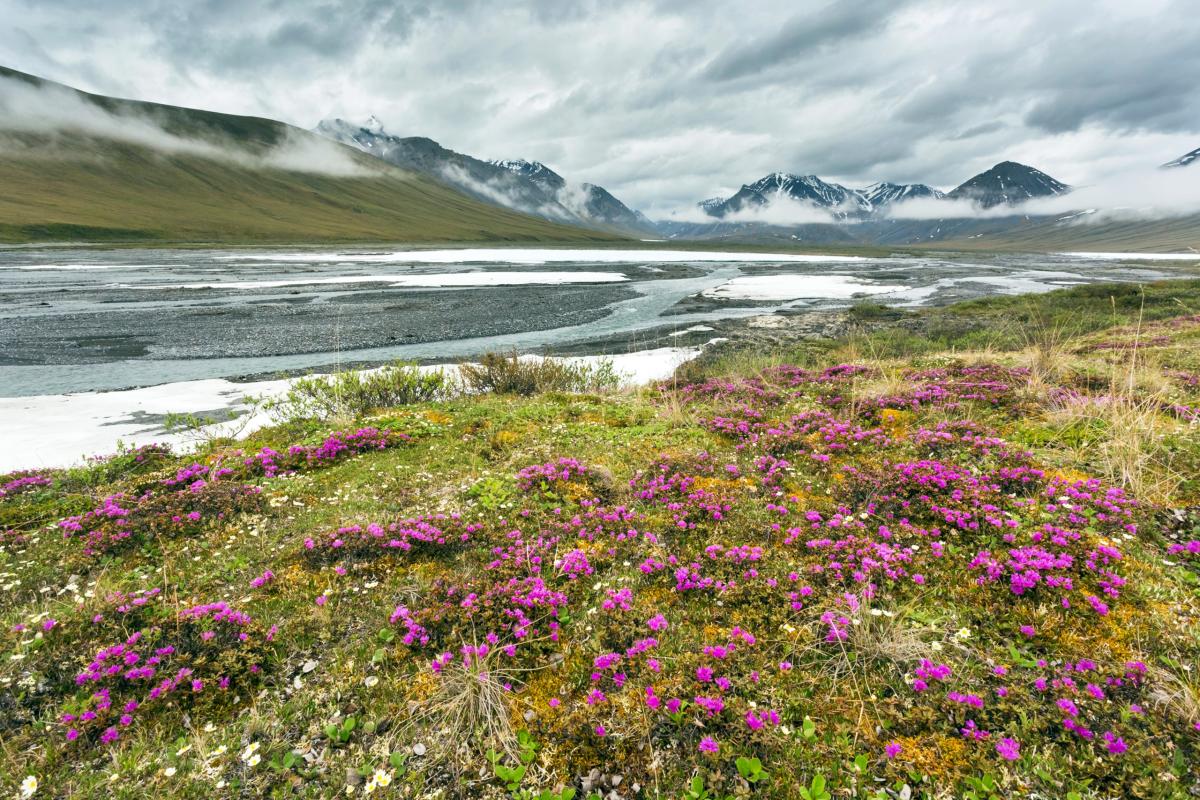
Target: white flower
point(250, 752)
point(29, 786)
point(169, 772)
point(963, 633)
point(253, 760)
point(382, 778)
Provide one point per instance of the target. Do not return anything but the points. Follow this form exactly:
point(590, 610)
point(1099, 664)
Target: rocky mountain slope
point(1007, 183)
point(527, 186)
point(80, 166)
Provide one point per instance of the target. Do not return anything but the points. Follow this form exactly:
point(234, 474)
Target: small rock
point(418, 749)
point(309, 666)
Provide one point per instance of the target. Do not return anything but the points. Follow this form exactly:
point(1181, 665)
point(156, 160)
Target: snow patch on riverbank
point(1194, 256)
point(440, 280)
point(796, 287)
point(48, 431)
point(498, 255)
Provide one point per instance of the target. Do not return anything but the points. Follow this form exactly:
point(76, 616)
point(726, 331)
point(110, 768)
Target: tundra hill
point(958, 572)
point(79, 166)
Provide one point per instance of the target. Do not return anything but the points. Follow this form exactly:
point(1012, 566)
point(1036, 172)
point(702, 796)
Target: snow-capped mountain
point(535, 171)
point(1008, 183)
point(883, 193)
point(842, 202)
point(871, 209)
point(1185, 160)
point(589, 201)
point(527, 186)
point(833, 197)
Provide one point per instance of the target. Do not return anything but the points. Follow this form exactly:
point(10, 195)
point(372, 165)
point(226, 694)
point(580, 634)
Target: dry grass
point(468, 706)
point(1177, 691)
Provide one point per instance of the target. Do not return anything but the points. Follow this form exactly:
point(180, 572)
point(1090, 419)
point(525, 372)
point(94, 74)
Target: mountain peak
point(809, 189)
point(1184, 160)
point(1008, 183)
point(372, 125)
point(884, 192)
point(535, 171)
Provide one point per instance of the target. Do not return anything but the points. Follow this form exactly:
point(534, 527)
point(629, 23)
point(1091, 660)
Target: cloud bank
point(45, 113)
point(665, 102)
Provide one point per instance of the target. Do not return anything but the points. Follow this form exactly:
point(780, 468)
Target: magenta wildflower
point(1114, 744)
point(1009, 749)
point(709, 745)
point(892, 750)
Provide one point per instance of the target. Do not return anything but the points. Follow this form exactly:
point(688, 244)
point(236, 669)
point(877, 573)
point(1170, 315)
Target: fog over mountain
point(664, 103)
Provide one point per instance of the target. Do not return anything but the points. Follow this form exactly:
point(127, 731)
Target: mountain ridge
point(530, 187)
point(127, 170)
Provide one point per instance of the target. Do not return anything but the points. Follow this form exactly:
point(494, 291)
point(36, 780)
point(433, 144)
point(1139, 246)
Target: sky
point(667, 102)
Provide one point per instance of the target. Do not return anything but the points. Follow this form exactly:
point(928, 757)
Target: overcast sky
point(667, 102)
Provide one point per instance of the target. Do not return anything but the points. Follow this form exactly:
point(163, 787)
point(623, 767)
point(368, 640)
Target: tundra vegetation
point(955, 554)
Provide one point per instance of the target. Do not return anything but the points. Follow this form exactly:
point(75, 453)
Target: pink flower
point(1115, 744)
point(709, 745)
point(657, 623)
point(321, 599)
point(892, 750)
point(1009, 749)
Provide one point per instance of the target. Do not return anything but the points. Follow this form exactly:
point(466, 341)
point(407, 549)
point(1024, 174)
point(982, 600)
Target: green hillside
point(76, 185)
point(966, 565)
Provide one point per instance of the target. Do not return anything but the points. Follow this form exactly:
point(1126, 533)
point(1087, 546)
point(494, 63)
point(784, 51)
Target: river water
point(76, 320)
point(100, 345)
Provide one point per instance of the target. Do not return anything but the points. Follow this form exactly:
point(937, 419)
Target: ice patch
point(72, 267)
point(1135, 256)
point(48, 431)
point(796, 287)
point(441, 280)
point(539, 256)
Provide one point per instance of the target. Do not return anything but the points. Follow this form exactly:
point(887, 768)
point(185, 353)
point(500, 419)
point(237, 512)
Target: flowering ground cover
point(948, 575)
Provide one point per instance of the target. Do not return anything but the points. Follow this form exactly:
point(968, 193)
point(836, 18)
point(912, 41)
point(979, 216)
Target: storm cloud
point(666, 102)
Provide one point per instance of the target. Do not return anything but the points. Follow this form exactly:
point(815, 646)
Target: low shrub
point(507, 373)
point(352, 393)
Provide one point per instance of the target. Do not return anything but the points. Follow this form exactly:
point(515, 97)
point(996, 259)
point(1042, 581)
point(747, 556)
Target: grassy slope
point(1180, 234)
point(78, 187)
point(1074, 411)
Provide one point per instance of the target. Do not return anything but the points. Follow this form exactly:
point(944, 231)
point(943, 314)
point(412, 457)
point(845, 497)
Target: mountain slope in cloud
point(87, 167)
point(753, 198)
point(527, 186)
point(1187, 159)
point(884, 193)
point(1009, 205)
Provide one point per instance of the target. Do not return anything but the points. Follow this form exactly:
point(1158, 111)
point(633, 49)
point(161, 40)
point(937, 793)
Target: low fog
point(51, 111)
